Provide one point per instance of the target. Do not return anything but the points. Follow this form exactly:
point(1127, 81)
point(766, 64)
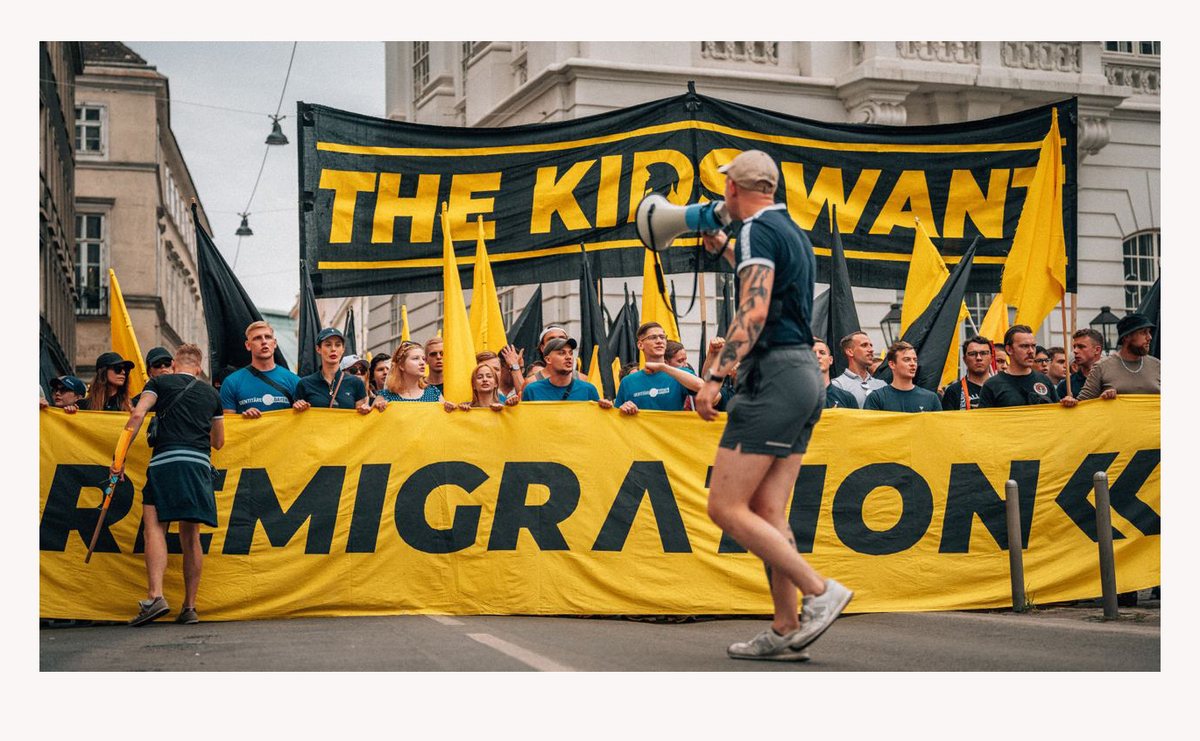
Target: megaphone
point(660, 222)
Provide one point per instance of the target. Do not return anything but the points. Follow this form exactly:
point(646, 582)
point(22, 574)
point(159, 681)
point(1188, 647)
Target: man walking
point(261, 386)
point(179, 486)
point(903, 395)
point(778, 402)
point(860, 356)
point(1019, 384)
point(964, 393)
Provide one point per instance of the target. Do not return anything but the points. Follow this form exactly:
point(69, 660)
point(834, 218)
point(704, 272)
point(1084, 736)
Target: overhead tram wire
point(245, 212)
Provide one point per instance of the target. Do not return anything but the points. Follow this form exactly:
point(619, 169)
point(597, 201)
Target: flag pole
point(1066, 342)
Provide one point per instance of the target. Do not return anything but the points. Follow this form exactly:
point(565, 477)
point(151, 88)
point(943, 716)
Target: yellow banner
point(564, 508)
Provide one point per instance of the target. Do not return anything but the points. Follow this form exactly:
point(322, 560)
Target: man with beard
point(1130, 370)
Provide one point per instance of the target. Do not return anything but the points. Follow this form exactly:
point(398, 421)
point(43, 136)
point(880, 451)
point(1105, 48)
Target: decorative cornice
point(1093, 135)
point(759, 52)
point(1049, 56)
point(950, 52)
point(1145, 80)
point(876, 101)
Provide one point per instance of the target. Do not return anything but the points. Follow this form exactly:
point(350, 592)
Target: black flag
point(622, 336)
point(351, 342)
point(1152, 310)
point(527, 329)
point(228, 309)
point(933, 331)
point(307, 361)
point(841, 318)
point(726, 313)
point(591, 333)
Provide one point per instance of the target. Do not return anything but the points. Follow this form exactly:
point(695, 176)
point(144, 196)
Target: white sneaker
point(819, 612)
point(768, 646)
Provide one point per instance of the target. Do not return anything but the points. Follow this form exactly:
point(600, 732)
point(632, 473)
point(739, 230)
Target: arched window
point(1140, 254)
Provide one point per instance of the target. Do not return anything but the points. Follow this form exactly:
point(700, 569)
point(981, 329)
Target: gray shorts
point(780, 395)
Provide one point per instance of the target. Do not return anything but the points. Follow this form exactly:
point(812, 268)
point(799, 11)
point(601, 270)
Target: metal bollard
point(1016, 567)
point(1108, 569)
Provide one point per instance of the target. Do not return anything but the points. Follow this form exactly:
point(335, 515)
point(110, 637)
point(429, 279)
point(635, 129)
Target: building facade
point(132, 208)
point(59, 63)
point(895, 83)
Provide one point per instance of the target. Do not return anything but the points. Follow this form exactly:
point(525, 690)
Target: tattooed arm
point(755, 283)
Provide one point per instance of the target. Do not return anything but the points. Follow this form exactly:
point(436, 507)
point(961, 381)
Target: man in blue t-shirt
point(903, 395)
point(261, 386)
point(560, 383)
point(653, 387)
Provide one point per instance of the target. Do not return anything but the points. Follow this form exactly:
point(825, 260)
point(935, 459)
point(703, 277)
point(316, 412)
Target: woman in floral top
point(405, 379)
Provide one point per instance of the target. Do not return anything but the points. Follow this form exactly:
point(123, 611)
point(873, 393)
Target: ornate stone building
point(895, 83)
point(132, 207)
point(59, 62)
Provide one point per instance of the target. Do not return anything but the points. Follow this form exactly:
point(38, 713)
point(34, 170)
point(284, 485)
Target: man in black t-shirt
point(1019, 384)
point(977, 354)
point(902, 394)
point(179, 486)
point(779, 400)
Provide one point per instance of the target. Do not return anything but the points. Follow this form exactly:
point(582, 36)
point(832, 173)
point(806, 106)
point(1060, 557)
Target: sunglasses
point(355, 370)
point(161, 364)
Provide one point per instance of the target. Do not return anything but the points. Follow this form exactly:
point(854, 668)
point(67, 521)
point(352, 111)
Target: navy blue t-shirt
point(770, 238)
point(836, 397)
point(543, 390)
point(652, 391)
point(243, 390)
point(314, 389)
point(891, 399)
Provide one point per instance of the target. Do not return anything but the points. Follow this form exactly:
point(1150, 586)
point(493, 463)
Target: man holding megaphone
point(779, 399)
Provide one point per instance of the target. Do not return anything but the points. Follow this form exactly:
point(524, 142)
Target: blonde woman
point(485, 390)
point(405, 379)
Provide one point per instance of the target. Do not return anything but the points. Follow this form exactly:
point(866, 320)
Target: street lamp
point(1104, 323)
point(890, 324)
point(244, 229)
point(276, 136)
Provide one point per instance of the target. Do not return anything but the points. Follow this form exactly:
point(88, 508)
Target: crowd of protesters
point(1017, 372)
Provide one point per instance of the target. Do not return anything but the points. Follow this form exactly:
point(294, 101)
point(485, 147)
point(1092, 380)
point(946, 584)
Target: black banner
point(371, 189)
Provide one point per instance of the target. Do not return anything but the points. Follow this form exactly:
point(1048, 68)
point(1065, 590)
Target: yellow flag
point(404, 333)
point(655, 306)
point(1035, 272)
point(593, 374)
point(926, 274)
point(995, 322)
point(487, 323)
point(124, 341)
point(459, 352)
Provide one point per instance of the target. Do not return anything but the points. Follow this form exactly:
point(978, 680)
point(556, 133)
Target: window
point(506, 306)
point(977, 307)
point(420, 68)
point(395, 319)
point(91, 264)
point(89, 129)
point(1144, 48)
point(1140, 255)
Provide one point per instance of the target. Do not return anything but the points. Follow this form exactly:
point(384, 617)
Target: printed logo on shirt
point(268, 399)
point(1040, 388)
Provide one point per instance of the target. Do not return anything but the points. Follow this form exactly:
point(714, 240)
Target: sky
point(224, 149)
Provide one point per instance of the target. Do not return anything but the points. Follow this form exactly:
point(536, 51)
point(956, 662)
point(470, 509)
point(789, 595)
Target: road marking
point(445, 620)
point(525, 656)
point(1049, 622)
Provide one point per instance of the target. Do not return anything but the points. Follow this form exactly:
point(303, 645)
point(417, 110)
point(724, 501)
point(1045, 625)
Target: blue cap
point(328, 332)
point(70, 383)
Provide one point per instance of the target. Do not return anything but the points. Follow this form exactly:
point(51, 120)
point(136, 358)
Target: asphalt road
point(1064, 639)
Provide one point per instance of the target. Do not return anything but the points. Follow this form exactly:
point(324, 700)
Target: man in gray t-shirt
point(1130, 370)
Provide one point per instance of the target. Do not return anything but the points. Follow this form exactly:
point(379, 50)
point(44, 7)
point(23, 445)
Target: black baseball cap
point(558, 342)
point(1132, 323)
point(111, 359)
point(156, 354)
point(70, 383)
point(328, 332)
